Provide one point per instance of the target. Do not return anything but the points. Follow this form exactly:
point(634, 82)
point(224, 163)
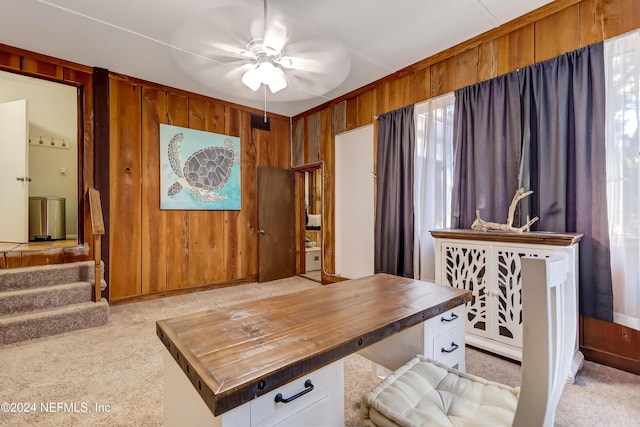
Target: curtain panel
point(488, 146)
point(622, 70)
point(433, 179)
point(394, 197)
point(565, 162)
point(541, 128)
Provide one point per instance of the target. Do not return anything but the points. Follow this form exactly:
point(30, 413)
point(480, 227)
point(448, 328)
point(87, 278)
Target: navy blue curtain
point(394, 197)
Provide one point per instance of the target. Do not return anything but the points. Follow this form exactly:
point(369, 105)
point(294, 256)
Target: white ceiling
point(162, 41)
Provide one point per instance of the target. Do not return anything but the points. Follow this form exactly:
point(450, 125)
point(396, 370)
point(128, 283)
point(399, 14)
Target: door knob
point(261, 231)
point(23, 178)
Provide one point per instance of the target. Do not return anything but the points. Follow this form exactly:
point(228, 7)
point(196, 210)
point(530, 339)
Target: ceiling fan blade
point(226, 51)
point(275, 37)
point(256, 29)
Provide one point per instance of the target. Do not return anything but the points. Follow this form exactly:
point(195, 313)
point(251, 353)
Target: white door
point(14, 172)
point(354, 203)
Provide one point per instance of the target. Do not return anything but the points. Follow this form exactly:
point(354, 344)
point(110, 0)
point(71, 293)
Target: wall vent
point(258, 122)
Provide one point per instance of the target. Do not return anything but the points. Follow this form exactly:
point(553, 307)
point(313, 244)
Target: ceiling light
point(265, 72)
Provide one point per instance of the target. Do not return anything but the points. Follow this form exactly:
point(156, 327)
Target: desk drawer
point(446, 321)
point(449, 348)
point(313, 408)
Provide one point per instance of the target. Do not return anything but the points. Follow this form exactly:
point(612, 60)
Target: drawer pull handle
point(453, 348)
point(451, 319)
point(308, 387)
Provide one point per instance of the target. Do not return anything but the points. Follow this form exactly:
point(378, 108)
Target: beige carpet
point(112, 375)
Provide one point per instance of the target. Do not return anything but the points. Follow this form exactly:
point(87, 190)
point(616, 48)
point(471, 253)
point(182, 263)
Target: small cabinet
point(488, 265)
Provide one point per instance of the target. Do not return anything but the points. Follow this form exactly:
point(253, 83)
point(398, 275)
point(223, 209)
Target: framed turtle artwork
point(199, 170)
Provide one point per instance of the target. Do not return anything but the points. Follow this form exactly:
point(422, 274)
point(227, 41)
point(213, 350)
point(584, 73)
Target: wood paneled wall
point(40, 66)
point(560, 27)
point(153, 250)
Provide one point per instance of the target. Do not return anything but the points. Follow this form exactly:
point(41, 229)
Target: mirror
point(313, 223)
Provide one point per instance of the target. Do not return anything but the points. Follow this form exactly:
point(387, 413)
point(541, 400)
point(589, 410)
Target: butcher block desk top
point(236, 353)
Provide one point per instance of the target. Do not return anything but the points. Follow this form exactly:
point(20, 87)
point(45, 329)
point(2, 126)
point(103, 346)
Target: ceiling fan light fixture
point(265, 73)
point(273, 77)
point(252, 79)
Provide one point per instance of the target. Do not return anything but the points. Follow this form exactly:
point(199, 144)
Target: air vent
point(258, 122)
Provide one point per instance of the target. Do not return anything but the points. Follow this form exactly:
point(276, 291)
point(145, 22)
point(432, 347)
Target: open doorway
point(51, 168)
point(312, 259)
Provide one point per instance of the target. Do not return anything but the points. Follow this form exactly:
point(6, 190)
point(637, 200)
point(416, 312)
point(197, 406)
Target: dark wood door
point(276, 224)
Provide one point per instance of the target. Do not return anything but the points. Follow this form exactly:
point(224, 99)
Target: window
point(433, 181)
point(622, 70)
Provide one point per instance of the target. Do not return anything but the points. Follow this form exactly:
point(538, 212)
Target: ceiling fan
point(267, 52)
point(244, 45)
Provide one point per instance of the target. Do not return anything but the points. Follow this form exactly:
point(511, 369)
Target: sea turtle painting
point(204, 172)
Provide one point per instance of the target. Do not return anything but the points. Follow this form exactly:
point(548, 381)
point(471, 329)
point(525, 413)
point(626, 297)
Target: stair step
point(46, 275)
point(25, 300)
point(52, 321)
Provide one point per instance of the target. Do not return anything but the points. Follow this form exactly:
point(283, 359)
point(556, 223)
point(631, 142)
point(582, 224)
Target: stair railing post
point(97, 229)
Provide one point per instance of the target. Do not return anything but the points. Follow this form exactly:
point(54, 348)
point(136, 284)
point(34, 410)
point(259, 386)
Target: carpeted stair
point(48, 300)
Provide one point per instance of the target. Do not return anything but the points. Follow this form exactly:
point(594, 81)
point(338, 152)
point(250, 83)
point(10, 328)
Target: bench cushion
point(424, 392)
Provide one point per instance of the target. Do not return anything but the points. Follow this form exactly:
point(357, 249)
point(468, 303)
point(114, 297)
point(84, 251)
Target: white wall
point(354, 210)
point(52, 110)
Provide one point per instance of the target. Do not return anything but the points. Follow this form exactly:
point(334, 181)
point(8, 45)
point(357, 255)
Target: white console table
point(488, 265)
point(225, 367)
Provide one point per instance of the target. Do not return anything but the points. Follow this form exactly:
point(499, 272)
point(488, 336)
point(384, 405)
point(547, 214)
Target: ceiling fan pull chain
point(265, 101)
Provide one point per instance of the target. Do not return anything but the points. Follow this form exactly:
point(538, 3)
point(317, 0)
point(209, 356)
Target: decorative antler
point(481, 225)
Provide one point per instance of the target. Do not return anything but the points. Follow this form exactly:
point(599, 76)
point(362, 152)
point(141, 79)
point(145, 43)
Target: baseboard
point(612, 360)
point(181, 291)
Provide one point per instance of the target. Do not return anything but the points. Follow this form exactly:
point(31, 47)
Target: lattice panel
point(465, 268)
point(509, 295)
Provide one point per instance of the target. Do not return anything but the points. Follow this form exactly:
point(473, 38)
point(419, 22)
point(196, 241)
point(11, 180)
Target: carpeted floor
point(112, 375)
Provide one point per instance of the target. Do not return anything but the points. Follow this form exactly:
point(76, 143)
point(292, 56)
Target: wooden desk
point(234, 354)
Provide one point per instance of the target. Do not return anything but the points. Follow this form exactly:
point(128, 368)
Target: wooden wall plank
point(603, 19)
point(381, 96)
point(521, 48)
point(87, 151)
point(314, 138)
point(365, 108)
point(125, 176)
point(396, 93)
point(298, 143)
point(328, 189)
point(339, 118)
point(443, 77)
point(417, 86)
point(467, 68)
point(352, 113)
point(154, 225)
point(611, 344)
point(177, 221)
point(235, 231)
point(488, 60)
point(249, 196)
point(215, 232)
point(557, 34)
point(201, 223)
point(278, 141)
